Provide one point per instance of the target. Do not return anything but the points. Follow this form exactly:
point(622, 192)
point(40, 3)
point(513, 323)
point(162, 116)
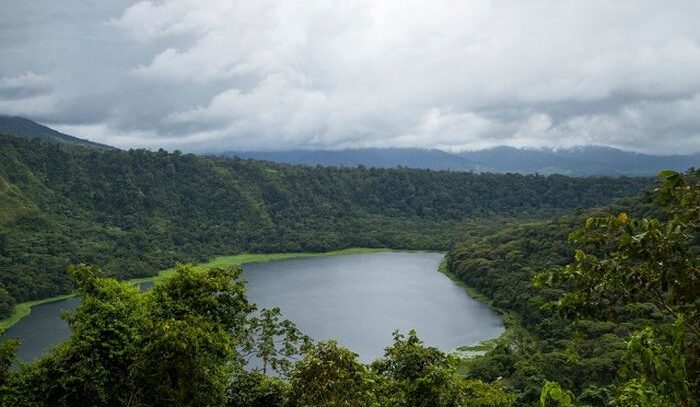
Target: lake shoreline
point(23, 309)
point(354, 271)
point(511, 320)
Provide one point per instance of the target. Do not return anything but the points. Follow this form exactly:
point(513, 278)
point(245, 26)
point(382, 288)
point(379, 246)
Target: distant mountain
point(25, 128)
point(580, 161)
point(370, 157)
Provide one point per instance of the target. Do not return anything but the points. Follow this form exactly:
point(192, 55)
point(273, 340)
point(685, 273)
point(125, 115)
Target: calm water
point(357, 299)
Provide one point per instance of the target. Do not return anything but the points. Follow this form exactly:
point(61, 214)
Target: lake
point(358, 299)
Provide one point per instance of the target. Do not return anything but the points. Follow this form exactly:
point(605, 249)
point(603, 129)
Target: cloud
point(457, 75)
point(24, 86)
point(26, 93)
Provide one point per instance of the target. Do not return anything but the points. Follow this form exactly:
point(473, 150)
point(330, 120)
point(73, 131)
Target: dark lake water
point(358, 299)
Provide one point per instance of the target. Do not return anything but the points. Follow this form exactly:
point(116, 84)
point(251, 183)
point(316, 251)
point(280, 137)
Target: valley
point(372, 203)
point(307, 237)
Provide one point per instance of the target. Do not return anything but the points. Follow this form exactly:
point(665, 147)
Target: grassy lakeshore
point(511, 321)
point(248, 258)
point(23, 309)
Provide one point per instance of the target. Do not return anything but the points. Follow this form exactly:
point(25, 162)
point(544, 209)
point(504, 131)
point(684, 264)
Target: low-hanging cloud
point(275, 74)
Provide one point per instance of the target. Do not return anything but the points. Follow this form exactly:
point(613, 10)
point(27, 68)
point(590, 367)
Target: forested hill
point(134, 212)
point(580, 161)
point(25, 128)
point(369, 157)
point(589, 348)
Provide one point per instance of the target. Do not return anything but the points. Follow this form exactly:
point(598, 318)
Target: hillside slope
point(134, 212)
point(25, 128)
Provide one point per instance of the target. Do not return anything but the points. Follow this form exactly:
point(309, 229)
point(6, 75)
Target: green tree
point(93, 366)
point(330, 376)
point(419, 376)
point(7, 357)
point(656, 372)
point(7, 303)
point(254, 389)
point(189, 352)
point(553, 393)
point(622, 260)
point(274, 342)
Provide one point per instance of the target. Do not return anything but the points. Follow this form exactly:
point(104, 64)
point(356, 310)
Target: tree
point(419, 376)
point(621, 260)
point(93, 366)
point(7, 357)
point(553, 393)
point(175, 344)
point(188, 354)
point(7, 303)
point(656, 372)
point(275, 342)
point(330, 376)
point(254, 389)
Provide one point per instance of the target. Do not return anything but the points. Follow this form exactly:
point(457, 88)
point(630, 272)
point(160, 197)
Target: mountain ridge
point(25, 128)
point(576, 161)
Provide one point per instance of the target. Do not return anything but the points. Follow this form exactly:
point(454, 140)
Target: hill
point(581, 161)
point(25, 128)
point(135, 212)
point(370, 157)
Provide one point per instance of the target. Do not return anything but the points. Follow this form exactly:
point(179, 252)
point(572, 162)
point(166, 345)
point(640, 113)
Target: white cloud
point(274, 74)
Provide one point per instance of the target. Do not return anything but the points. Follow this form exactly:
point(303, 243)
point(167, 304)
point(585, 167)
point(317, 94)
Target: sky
point(217, 75)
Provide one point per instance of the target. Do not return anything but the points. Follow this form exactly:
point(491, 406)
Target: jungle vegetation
point(602, 295)
point(135, 212)
point(606, 301)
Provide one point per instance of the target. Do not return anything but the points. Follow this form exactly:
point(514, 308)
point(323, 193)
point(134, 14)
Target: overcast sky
point(269, 75)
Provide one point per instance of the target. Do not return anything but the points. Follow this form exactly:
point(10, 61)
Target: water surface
point(358, 299)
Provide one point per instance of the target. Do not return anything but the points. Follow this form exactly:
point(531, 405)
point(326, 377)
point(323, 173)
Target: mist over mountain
point(579, 161)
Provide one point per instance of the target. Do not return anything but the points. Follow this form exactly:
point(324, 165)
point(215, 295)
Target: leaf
point(667, 173)
point(623, 218)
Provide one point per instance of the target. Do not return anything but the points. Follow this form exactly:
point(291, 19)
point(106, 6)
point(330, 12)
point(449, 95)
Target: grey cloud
point(275, 74)
point(24, 86)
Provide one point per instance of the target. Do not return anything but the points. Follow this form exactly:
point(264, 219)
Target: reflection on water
point(358, 299)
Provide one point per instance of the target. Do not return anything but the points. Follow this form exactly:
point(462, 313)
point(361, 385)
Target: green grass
point(23, 309)
point(248, 258)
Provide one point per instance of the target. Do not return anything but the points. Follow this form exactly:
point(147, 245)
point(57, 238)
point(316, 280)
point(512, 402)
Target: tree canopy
point(133, 213)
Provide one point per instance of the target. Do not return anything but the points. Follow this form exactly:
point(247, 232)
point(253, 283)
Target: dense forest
point(135, 212)
point(593, 299)
point(616, 324)
point(600, 294)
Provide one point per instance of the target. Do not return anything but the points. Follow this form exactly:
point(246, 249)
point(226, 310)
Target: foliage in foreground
point(622, 260)
point(185, 342)
point(612, 318)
